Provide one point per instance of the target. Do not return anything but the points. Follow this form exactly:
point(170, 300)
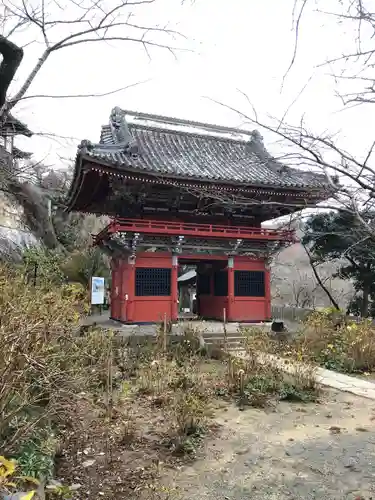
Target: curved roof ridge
point(209, 127)
point(154, 144)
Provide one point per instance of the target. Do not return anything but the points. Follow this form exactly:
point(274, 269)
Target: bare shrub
point(326, 338)
point(263, 378)
point(258, 340)
point(251, 382)
point(189, 412)
point(216, 351)
point(347, 347)
point(186, 346)
point(44, 367)
point(175, 381)
point(128, 431)
point(191, 408)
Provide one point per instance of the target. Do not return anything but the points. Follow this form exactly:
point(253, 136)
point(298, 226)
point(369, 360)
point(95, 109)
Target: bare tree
point(353, 69)
point(350, 175)
point(299, 282)
point(12, 57)
point(59, 25)
point(296, 291)
point(356, 67)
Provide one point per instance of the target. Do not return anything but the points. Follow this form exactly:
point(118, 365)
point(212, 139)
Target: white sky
point(238, 44)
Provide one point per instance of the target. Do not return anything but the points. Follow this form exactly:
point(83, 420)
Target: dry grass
point(260, 384)
point(164, 411)
point(337, 345)
point(349, 347)
point(43, 365)
point(117, 410)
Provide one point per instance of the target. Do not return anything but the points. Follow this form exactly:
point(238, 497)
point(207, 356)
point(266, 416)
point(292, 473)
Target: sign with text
point(97, 290)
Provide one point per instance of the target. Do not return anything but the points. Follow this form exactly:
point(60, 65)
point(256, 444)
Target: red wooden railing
point(169, 228)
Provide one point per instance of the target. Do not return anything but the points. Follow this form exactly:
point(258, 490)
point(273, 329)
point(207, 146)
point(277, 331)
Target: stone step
point(222, 341)
point(220, 335)
point(263, 326)
point(217, 327)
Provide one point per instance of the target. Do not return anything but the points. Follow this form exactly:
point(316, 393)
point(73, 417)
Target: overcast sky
point(236, 44)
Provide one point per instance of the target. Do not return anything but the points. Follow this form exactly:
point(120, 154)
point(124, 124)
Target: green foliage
point(348, 348)
point(55, 489)
point(68, 227)
point(35, 462)
point(265, 383)
point(11, 481)
point(341, 235)
point(300, 387)
point(81, 265)
point(327, 312)
point(43, 266)
point(328, 339)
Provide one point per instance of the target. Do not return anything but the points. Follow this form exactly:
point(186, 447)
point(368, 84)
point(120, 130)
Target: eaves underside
point(124, 172)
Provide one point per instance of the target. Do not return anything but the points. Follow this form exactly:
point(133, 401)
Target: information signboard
point(97, 291)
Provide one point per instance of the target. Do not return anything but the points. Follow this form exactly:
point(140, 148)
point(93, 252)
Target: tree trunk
point(12, 57)
point(320, 282)
point(365, 301)
point(25, 87)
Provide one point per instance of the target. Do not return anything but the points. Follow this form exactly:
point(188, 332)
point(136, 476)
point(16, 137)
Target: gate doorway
point(203, 288)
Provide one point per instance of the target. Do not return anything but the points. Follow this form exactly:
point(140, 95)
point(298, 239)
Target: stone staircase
point(234, 340)
point(213, 334)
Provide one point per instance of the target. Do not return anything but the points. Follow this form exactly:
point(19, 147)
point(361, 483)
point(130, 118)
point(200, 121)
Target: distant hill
point(293, 282)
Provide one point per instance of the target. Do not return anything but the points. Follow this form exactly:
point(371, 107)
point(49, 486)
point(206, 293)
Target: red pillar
point(130, 296)
point(267, 283)
point(174, 289)
point(114, 289)
point(121, 290)
point(230, 301)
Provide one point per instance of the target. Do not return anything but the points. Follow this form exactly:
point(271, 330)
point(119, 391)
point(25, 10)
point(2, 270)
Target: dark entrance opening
point(203, 288)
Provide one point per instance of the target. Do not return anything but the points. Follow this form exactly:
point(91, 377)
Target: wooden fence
point(286, 313)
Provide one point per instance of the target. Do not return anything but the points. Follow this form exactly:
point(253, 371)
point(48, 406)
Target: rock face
point(12, 241)
point(13, 237)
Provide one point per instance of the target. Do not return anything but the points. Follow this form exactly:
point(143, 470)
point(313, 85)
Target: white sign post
point(97, 291)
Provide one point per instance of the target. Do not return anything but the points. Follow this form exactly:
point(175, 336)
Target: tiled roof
point(14, 126)
point(191, 150)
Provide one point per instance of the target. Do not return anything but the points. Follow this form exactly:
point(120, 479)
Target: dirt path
point(324, 451)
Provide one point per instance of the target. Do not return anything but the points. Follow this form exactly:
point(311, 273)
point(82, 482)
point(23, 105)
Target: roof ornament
point(256, 136)
point(85, 145)
point(121, 132)
point(257, 145)
point(283, 169)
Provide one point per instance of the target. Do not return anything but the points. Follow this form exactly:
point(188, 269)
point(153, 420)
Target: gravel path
point(324, 451)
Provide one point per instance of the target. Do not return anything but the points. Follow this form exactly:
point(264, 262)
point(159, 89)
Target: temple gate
point(186, 193)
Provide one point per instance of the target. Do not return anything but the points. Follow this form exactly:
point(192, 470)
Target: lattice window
point(152, 282)
point(221, 283)
point(204, 284)
point(249, 284)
